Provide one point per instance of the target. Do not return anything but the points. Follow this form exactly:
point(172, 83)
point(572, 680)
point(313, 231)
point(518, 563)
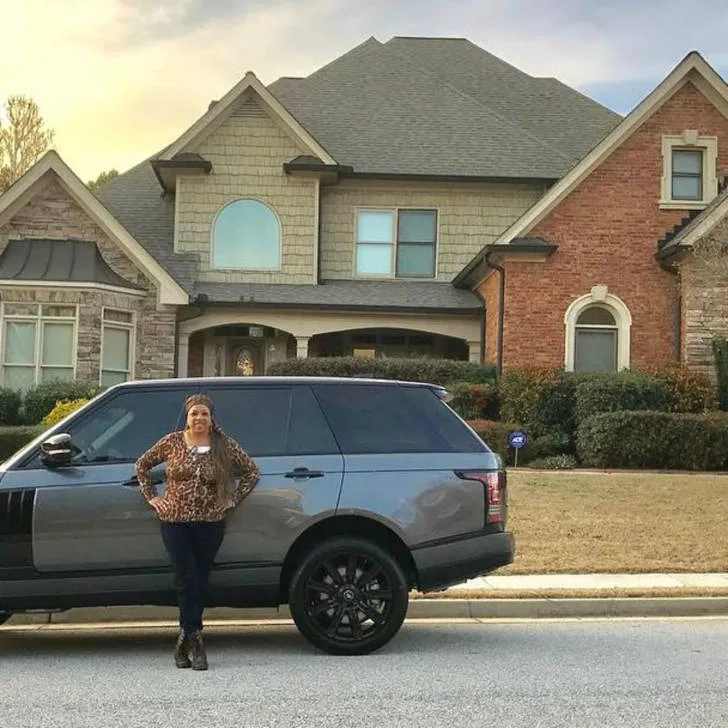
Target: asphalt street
point(651, 672)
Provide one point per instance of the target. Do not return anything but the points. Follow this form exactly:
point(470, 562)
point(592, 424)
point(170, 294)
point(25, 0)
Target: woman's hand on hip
point(156, 502)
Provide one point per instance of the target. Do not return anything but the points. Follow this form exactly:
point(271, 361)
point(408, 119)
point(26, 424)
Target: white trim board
point(169, 291)
point(225, 105)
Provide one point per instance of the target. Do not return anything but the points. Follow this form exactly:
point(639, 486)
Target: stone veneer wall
point(704, 288)
point(469, 217)
point(52, 213)
point(247, 152)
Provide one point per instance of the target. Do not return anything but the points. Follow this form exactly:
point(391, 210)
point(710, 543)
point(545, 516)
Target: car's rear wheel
point(348, 596)
point(5, 616)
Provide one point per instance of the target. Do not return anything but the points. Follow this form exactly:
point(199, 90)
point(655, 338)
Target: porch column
point(474, 352)
point(183, 353)
point(302, 346)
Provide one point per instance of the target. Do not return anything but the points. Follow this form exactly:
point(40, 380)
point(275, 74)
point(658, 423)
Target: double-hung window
point(397, 243)
point(117, 347)
point(687, 174)
point(38, 343)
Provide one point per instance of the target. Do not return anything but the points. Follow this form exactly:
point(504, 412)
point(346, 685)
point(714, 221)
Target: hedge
point(10, 402)
point(437, 371)
point(40, 400)
point(13, 438)
point(474, 401)
point(495, 436)
point(661, 440)
point(62, 409)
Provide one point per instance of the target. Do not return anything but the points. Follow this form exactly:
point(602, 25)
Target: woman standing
point(200, 461)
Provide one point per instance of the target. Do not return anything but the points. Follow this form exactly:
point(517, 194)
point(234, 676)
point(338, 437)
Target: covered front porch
point(245, 342)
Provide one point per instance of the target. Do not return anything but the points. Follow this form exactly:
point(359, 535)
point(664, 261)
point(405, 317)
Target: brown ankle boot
point(197, 651)
point(181, 658)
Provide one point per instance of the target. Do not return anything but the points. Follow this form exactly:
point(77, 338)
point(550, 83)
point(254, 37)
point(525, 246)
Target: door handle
point(133, 482)
point(304, 473)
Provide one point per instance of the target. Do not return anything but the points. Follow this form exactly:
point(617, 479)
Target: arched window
point(595, 341)
point(597, 333)
point(246, 234)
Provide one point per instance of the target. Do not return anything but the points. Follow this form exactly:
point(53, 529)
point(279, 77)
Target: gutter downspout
point(501, 308)
point(674, 271)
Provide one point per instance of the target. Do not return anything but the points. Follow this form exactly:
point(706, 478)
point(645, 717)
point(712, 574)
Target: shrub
point(40, 400)
point(13, 438)
point(620, 391)
point(495, 436)
point(62, 409)
point(662, 440)
point(690, 391)
point(554, 462)
point(474, 401)
point(9, 407)
point(436, 371)
point(720, 357)
point(522, 392)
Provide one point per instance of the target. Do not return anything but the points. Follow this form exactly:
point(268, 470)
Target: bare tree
point(23, 139)
point(102, 179)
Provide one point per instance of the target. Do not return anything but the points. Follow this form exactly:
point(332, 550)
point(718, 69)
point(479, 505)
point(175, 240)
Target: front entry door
point(245, 358)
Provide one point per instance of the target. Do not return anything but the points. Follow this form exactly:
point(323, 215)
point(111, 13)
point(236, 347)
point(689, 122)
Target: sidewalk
point(469, 600)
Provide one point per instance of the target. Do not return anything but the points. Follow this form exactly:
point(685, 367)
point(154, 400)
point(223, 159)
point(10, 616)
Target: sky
point(119, 79)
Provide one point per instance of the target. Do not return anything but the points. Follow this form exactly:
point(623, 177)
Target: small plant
point(62, 409)
point(554, 462)
point(720, 355)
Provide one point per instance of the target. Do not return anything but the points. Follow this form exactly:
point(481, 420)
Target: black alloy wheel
point(348, 596)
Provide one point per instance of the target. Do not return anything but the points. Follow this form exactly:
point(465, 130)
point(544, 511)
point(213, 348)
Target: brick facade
point(53, 214)
point(607, 231)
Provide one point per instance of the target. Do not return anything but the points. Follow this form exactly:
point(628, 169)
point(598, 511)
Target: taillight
point(494, 485)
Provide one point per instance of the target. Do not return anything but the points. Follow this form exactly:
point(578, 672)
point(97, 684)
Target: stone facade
point(53, 214)
point(704, 287)
point(247, 152)
point(469, 217)
point(607, 231)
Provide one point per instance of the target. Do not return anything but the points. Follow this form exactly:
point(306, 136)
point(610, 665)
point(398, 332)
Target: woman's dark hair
point(218, 449)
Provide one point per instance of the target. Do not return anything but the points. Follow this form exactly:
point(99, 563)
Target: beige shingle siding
point(469, 216)
point(247, 153)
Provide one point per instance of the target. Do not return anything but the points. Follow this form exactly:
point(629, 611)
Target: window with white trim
point(689, 178)
point(38, 343)
point(598, 331)
point(397, 243)
point(117, 347)
point(246, 234)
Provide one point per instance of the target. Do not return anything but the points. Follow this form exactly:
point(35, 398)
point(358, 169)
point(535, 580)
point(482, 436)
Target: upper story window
point(396, 243)
point(246, 235)
point(38, 343)
point(689, 179)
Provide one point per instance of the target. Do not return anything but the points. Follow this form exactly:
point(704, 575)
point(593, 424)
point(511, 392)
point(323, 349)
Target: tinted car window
point(122, 428)
point(377, 419)
point(274, 421)
point(442, 420)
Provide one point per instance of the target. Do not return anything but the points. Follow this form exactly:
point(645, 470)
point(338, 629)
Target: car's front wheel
point(348, 596)
point(4, 617)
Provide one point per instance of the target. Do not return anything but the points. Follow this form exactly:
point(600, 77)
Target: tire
point(5, 616)
point(332, 596)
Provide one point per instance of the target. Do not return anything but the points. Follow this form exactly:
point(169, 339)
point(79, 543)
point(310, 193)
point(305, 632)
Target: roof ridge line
point(467, 96)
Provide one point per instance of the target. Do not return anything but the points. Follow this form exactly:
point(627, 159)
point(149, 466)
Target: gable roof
point(21, 192)
point(219, 111)
point(693, 68)
point(384, 111)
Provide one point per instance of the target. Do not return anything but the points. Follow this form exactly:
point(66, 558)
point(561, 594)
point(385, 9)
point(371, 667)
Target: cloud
point(120, 79)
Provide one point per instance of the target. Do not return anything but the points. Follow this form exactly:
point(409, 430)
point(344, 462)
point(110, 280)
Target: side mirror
point(57, 450)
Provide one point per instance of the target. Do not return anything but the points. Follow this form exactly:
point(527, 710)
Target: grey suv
point(369, 489)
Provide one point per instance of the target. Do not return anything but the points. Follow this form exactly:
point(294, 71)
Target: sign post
point(517, 440)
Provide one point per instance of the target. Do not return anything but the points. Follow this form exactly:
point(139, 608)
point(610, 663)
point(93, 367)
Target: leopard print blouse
point(191, 492)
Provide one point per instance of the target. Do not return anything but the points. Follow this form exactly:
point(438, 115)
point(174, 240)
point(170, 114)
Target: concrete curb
point(418, 609)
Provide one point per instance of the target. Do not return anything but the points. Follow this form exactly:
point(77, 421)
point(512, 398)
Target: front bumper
point(452, 562)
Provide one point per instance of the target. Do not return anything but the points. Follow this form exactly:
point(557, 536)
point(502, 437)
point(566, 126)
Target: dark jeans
point(192, 548)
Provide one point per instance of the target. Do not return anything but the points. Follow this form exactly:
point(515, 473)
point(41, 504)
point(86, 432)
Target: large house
point(418, 197)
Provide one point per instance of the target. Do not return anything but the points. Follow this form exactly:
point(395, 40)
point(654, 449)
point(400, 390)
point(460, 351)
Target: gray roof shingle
point(383, 295)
